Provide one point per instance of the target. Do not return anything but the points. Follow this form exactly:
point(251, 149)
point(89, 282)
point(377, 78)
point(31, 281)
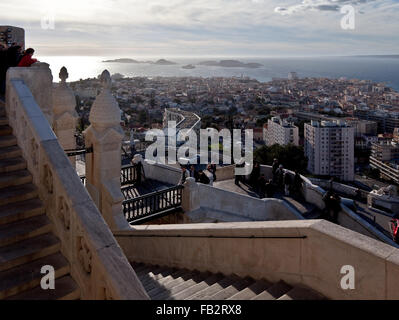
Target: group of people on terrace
point(281, 181)
point(207, 176)
point(13, 56)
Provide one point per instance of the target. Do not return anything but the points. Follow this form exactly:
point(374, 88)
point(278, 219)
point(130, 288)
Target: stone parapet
point(307, 253)
point(97, 263)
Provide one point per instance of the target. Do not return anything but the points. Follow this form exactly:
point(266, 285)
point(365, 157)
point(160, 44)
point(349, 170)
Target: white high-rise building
point(329, 147)
point(281, 132)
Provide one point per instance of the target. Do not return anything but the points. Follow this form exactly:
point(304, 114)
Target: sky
point(225, 28)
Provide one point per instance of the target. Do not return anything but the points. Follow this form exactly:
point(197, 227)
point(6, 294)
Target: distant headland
point(382, 56)
point(230, 64)
point(162, 62)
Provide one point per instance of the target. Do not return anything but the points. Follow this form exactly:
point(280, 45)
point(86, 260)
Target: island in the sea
point(162, 62)
point(123, 60)
point(189, 66)
point(381, 56)
point(230, 64)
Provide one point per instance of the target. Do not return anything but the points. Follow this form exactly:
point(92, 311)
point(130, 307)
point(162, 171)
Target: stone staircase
point(164, 283)
point(26, 239)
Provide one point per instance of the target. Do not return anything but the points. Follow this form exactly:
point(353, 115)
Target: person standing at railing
point(184, 175)
point(194, 173)
point(254, 176)
point(261, 186)
point(274, 170)
point(280, 176)
point(395, 228)
point(297, 184)
point(287, 182)
point(27, 59)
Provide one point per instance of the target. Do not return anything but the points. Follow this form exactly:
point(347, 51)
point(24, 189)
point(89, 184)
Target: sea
point(378, 69)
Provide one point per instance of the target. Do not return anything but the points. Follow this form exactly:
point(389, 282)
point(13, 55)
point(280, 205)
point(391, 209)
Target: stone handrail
point(202, 201)
point(162, 173)
point(352, 221)
point(307, 253)
point(347, 218)
point(97, 263)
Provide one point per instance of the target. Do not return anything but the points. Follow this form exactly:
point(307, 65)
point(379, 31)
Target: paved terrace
point(377, 218)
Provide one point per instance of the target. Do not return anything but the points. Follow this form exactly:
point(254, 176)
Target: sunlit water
point(375, 69)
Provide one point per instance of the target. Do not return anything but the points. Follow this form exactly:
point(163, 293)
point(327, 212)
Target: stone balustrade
point(97, 262)
point(311, 253)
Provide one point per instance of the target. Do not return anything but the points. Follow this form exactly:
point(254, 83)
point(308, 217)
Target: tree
point(142, 116)
point(290, 156)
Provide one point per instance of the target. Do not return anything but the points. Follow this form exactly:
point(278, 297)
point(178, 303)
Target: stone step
point(162, 293)
point(28, 250)
point(252, 291)
point(5, 130)
point(301, 294)
point(24, 229)
point(3, 121)
point(218, 286)
point(274, 292)
point(176, 274)
point(7, 141)
point(10, 152)
point(27, 276)
point(65, 289)
point(17, 193)
point(175, 286)
point(176, 278)
point(2, 111)
point(166, 277)
point(186, 294)
point(152, 278)
point(232, 289)
point(195, 279)
point(21, 210)
point(15, 178)
point(12, 164)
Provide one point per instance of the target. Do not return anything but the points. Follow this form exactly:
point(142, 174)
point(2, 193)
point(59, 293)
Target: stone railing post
point(190, 197)
point(39, 80)
point(103, 166)
point(64, 114)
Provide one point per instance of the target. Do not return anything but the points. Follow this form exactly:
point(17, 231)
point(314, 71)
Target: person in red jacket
point(395, 228)
point(27, 60)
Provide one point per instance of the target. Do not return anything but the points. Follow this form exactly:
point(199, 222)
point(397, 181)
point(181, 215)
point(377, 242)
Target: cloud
point(228, 27)
point(319, 5)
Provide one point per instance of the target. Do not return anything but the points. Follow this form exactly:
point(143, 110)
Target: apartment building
point(329, 147)
point(385, 157)
point(281, 132)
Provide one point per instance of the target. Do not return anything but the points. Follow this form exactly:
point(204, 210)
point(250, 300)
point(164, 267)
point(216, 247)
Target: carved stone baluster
point(64, 114)
point(103, 167)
